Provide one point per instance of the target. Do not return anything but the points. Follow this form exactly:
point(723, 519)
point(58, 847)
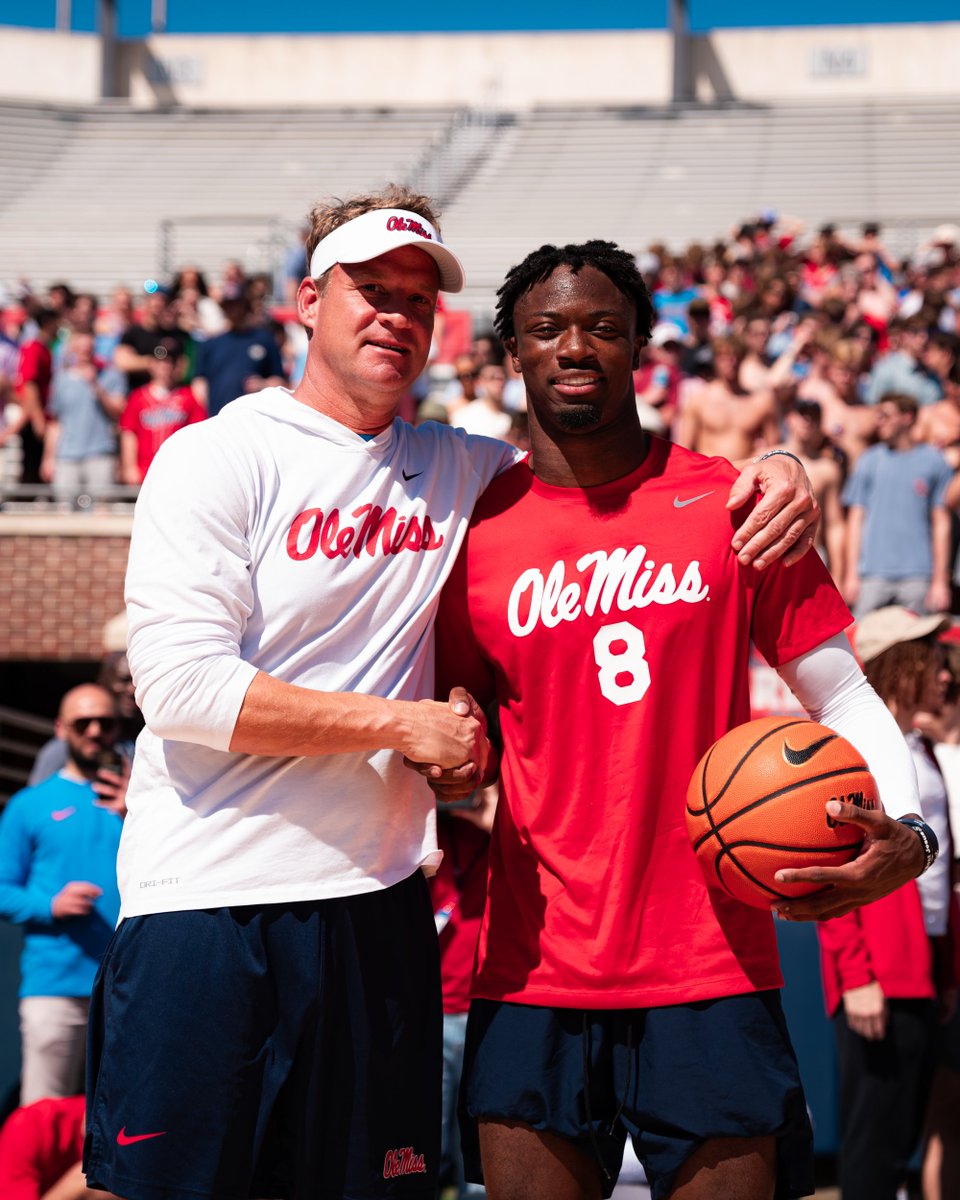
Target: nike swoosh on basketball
point(62, 813)
point(409, 477)
point(127, 1139)
point(678, 503)
point(797, 758)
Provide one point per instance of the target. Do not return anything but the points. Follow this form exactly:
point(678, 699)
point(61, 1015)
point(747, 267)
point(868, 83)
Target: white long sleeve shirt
point(272, 538)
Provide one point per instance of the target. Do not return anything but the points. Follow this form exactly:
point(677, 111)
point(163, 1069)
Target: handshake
point(449, 746)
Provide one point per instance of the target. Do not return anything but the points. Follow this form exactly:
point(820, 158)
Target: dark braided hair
point(606, 257)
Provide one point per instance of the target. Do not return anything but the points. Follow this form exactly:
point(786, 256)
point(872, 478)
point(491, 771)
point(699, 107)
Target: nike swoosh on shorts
point(127, 1139)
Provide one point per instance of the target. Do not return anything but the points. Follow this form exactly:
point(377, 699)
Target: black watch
point(928, 839)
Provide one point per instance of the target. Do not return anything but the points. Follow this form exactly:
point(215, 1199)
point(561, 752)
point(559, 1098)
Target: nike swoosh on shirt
point(409, 477)
point(797, 758)
point(127, 1139)
point(61, 814)
point(678, 503)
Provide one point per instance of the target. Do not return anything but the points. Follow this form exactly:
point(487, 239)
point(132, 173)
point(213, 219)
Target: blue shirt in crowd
point(230, 358)
point(52, 835)
point(673, 306)
point(899, 372)
point(898, 490)
point(85, 428)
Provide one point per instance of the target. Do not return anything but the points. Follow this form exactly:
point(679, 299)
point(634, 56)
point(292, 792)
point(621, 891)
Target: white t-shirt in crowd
point(935, 886)
point(481, 418)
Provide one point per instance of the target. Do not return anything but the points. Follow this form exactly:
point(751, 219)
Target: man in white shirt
point(486, 415)
point(267, 1019)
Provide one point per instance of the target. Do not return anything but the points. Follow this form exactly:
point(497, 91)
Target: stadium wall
point(62, 580)
point(504, 70)
point(828, 62)
point(57, 68)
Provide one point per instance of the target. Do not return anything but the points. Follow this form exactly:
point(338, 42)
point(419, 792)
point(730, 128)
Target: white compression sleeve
point(833, 689)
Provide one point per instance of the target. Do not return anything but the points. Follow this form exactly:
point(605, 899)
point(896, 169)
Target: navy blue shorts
point(669, 1077)
point(283, 1050)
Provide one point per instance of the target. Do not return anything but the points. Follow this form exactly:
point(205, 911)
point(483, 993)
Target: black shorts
point(285, 1050)
point(669, 1077)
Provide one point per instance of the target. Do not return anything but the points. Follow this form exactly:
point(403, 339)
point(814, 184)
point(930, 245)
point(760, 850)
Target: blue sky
point(392, 16)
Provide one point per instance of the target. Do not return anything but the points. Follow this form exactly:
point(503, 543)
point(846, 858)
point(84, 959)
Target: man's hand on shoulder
point(891, 856)
point(785, 520)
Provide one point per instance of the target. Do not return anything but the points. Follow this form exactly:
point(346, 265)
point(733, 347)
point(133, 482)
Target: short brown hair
point(905, 404)
point(327, 216)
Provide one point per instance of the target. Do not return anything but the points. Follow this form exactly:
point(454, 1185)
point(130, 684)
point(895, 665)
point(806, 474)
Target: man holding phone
point(58, 850)
point(111, 783)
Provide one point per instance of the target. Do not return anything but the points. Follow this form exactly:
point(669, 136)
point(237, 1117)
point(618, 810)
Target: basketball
point(755, 805)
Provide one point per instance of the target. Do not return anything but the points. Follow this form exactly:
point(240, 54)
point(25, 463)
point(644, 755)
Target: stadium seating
point(692, 173)
point(85, 193)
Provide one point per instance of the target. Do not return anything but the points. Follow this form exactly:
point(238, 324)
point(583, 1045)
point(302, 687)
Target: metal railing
point(267, 237)
point(454, 156)
point(21, 736)
point(48, 498)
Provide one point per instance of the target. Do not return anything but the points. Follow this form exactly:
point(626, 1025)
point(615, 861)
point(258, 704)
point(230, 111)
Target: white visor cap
point(380, 231)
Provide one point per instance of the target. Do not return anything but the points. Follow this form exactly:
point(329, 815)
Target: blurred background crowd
point(819, 340)
point(143, 138)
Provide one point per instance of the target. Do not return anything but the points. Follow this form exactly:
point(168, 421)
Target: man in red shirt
point(32, 392)
point(155, 411)
point(597, 599)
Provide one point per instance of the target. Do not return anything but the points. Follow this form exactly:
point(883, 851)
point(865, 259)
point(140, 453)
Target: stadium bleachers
point(106, 195)
point(691, 173)
point(85, 192)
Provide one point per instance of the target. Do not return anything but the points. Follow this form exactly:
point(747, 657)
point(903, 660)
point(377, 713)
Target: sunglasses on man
point(82, 724)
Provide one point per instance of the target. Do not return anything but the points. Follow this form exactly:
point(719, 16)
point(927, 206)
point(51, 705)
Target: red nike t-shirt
point(613, 626)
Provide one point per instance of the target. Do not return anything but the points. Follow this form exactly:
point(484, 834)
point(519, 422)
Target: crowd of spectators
point(91, 390)
point(826, 344)
point(58, 847)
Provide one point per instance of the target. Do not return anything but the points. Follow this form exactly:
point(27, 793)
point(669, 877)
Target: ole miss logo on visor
point(405, 225)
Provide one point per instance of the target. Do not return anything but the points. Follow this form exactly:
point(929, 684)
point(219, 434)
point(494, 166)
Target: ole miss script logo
point(405, 225)
point(367, 528)
point(403, 1162)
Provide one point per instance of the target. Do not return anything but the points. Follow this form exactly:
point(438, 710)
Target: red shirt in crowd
point(153, 416)
point(459, 892)
point(38, 1145)
point(35, 366)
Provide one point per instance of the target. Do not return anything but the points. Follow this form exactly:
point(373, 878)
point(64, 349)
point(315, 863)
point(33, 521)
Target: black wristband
point(771, 453)
point(928, 839)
